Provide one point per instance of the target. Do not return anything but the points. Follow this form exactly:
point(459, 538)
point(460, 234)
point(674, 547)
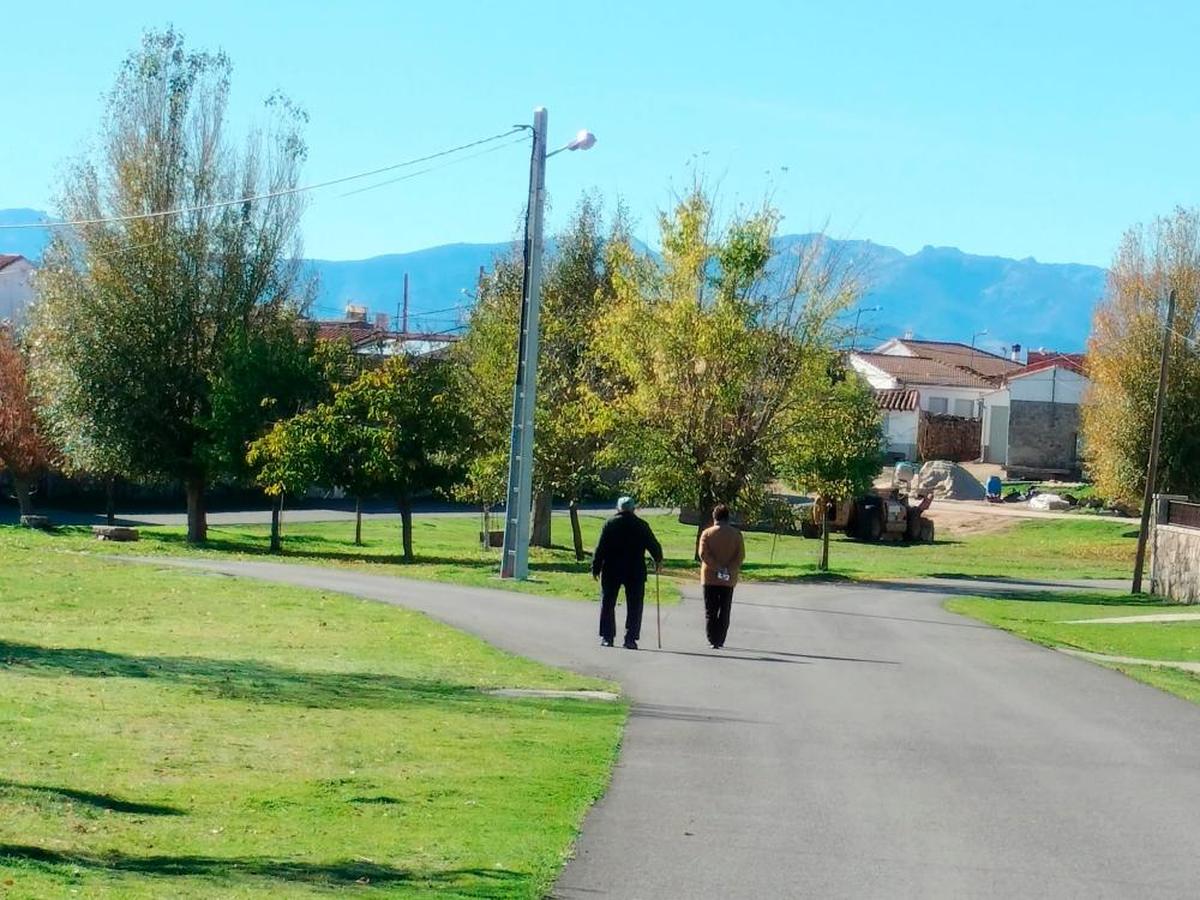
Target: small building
point(900, 409)
point(16, 288)
point(1032, 424)
point(949, 381)
point(375, 339)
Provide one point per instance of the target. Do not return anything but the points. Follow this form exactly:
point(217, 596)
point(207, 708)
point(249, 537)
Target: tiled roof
point(358, 333)
point(898, 400)
point(7, 259)
point(922, 370)
point(1038, 361)
point(952, 353)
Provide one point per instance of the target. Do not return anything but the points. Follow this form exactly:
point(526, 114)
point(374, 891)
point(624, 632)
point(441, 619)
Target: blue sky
point(1016, 129)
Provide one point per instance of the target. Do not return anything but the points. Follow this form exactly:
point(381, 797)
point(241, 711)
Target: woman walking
point(722, 552)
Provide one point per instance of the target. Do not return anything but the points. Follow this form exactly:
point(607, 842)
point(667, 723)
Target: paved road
point(855, 741)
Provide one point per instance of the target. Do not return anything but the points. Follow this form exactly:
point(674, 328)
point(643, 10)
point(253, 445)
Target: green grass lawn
point(1047, 619)
point(447, 549)
point(174, 734)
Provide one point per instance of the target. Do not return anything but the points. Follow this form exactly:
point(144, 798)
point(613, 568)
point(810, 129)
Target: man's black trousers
point(635, 592)
point(718, 600)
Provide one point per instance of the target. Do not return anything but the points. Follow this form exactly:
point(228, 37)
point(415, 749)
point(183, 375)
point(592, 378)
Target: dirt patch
point(952, 520)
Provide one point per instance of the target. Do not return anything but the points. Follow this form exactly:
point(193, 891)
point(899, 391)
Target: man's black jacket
point(621, 553)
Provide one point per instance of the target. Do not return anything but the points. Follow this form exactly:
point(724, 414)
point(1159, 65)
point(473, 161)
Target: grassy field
point(447, 549)
point(1050, 619)
point(174, 734)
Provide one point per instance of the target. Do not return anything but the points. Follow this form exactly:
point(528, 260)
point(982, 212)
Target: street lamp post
point(514, 562)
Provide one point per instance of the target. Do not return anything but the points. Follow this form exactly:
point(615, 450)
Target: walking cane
point(657, 607)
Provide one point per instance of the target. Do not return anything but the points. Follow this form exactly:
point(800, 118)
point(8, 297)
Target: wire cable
point(270, 195)
point(453, 162)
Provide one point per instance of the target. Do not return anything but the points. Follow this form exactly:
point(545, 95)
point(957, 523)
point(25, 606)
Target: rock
point(114, 533)
point(947, 481)
point(40, 522)
point(1048, 502)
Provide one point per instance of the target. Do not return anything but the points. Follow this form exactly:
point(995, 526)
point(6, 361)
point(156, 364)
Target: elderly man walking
point(722, 552)
point(620, 561)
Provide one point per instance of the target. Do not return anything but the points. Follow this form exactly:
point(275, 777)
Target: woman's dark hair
point(720, 513)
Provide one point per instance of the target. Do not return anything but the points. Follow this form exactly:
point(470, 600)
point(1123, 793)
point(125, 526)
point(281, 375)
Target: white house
point(1032, 424)
point(16, 287)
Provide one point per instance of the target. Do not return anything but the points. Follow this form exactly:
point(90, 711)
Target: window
point(964, 408)
point(937, 405)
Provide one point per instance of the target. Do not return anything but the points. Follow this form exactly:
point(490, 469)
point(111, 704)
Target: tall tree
point(25, 450)
point(576, 380)
point(1123, 362)
point(833, 443)
point(722, 340)
point(162, 317)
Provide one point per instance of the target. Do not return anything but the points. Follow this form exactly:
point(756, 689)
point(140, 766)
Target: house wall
point(877, 378)
point(900, 433)
point(1043, 435)
point(950, 394)
point(1044, 420)
point(1053, 385)
point(16, 290)
point(1175, 563)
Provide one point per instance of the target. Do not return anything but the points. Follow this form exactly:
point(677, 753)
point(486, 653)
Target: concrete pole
point(519, 500)
point(1155, 438)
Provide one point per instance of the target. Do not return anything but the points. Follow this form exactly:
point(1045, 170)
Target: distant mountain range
point(938, 293)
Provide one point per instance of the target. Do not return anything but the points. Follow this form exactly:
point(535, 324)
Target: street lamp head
point(584, 140)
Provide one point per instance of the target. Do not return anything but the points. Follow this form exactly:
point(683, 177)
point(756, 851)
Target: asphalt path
point(852, 741)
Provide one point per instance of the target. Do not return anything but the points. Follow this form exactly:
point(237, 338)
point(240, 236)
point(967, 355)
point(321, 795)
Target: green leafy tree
point(576, 380)
point(1123, 363)
point(165, 342)
point(722, 339)
point(833, 444)
point(414, 430)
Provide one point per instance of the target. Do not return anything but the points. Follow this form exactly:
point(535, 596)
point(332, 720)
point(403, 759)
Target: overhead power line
point(452, 162)
point(270, 195)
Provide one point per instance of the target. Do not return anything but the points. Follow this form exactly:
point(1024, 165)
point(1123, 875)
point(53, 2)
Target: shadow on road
point(858, 615)
point(856, 659)
point(685, 714)
point(721, 654)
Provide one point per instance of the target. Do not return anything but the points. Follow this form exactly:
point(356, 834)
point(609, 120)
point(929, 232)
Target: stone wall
point(1175, 565)
point(1043, 435)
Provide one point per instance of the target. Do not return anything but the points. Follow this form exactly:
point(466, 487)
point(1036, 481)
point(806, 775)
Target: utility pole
point(1155, 438)
point(515, 560)
point(404, 317)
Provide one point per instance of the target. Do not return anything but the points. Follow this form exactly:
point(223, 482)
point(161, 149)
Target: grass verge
point(447, 549)
point(1058, 620)
point(168, 733)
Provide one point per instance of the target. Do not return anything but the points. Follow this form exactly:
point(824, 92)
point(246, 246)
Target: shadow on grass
point(235, 679)
point(465, 882)
point(15, 789)
point(321, 549)
point(1074, 597)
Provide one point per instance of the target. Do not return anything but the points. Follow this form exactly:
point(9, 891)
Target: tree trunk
point(823, 565)
point(704, 511)
point(276, 510)
point(110, 506)
point(358, 521)
point(543, 506)
point(23, 490)
point(406, 527)
point(576, 532)
point(197, 515)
